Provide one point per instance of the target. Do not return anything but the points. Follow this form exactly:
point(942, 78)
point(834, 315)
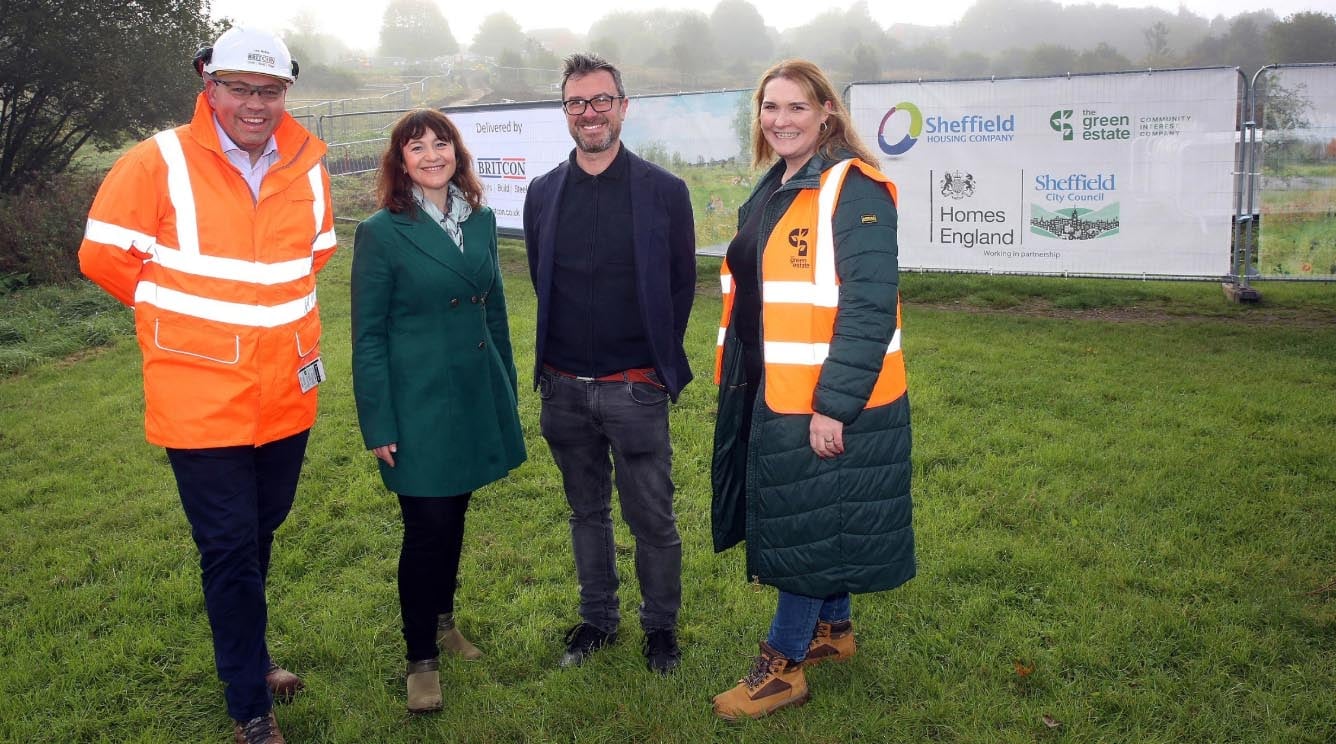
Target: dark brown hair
point(579, 65)
point(839, 133)
point(394, 190)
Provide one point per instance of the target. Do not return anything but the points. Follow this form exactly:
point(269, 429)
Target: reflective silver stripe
point(722, 331)
point(258, 316)
point(726, 283)
point(178, 188)
point(801, 293)
point(115, 235)
point(794, 352)
point(825, 232)
point(318, 207)
point(217, 267)
point(324, 241)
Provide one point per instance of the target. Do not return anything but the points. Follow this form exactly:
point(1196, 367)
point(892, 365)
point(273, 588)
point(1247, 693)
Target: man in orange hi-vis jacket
point(213, 232)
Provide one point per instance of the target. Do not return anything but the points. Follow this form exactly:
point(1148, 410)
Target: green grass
point(42, 324)
point(1141, 510)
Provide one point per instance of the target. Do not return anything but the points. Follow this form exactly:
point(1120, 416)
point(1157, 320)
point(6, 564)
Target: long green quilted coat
point(821, 527)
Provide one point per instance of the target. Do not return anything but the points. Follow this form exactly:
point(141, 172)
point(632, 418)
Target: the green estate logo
point(1060, 121)
point(1094, 125)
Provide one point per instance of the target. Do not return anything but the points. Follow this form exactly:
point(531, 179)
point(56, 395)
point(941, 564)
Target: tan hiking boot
point(773, 683)
point(831, 642)
point(451, 640)
point(424, 686)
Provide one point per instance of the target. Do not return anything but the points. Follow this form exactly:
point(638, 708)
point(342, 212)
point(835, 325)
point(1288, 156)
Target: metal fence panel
point(1295, 115)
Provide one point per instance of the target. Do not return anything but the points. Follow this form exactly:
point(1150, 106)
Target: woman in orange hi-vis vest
point(811, 452)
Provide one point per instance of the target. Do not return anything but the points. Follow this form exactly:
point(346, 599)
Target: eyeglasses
point(242, 91)
point(601, 103)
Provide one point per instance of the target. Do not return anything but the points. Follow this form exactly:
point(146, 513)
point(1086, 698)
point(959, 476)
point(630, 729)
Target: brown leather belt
point(639, 374)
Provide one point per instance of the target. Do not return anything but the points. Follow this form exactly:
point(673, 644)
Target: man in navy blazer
point(611, 244)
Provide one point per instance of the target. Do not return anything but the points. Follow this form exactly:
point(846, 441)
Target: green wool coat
point(432, 364)
point(822, 527)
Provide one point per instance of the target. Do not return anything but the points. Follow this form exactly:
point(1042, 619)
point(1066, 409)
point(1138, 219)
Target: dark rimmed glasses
point(601, 104)
point(243, 91)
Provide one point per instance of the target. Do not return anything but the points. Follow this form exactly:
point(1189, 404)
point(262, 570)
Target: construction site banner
point(510, 147)
point(514, 144)
point(1110, 174)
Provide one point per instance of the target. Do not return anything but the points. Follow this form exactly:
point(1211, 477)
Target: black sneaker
point(583, 640)
point(661, 651)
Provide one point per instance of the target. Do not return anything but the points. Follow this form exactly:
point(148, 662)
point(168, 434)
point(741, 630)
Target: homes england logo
point(957, 184)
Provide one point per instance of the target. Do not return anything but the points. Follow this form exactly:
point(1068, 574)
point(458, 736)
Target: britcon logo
point(912, 132)
point(508, 168)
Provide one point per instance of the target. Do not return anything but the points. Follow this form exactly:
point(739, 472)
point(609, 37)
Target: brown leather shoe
point(283, 684)
point(258, 730)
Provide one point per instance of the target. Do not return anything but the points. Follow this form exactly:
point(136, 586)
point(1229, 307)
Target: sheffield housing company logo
point(914, 118)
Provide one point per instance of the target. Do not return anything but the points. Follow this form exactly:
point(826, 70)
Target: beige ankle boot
point(452, 641)
point(424, 686)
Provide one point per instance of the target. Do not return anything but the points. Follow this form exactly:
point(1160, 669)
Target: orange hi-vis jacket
point(222, 285)
point(800, 297)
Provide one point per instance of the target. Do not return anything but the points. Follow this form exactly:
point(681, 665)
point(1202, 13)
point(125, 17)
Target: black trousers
point(429, 566)
point(234, 498)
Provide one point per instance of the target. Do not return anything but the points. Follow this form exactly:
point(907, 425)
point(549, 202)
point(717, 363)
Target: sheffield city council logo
point(911, 136)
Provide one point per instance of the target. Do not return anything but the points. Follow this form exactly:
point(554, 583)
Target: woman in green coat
point(811, 454)
point(433, 373)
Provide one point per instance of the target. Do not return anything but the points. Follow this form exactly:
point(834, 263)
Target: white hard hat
point(242, 49)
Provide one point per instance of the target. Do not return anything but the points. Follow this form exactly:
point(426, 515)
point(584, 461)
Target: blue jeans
point(590, 427)
point(234, 499)
point(796, 617)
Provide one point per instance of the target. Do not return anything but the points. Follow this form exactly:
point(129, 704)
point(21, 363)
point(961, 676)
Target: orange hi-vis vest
point(222, 284)
point(800, 300)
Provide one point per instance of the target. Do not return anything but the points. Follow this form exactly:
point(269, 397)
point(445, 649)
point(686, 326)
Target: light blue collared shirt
point(253, 173)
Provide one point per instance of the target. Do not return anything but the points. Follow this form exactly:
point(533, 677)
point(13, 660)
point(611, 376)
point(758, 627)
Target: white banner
point(1126, 173)
point(513, 145)
point(510, 147)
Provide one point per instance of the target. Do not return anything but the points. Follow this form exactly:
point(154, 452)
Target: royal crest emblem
point(957, 184)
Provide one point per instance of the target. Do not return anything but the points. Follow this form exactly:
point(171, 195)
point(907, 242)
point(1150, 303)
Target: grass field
point(1125, 507)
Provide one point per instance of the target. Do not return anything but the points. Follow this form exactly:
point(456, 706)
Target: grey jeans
point(592, 428)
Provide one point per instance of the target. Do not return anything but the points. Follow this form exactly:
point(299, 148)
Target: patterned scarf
point(458, 211)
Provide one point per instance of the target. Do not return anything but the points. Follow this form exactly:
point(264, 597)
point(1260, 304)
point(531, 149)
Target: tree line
point(78, 76)
point(678, 49)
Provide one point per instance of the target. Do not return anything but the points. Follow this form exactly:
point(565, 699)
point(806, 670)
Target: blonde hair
point(838, 134)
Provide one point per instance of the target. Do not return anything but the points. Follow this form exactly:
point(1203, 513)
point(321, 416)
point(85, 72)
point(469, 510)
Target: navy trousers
point(234, 498)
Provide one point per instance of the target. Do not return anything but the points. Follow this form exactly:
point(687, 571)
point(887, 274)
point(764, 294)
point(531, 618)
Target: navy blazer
point(665, 259)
